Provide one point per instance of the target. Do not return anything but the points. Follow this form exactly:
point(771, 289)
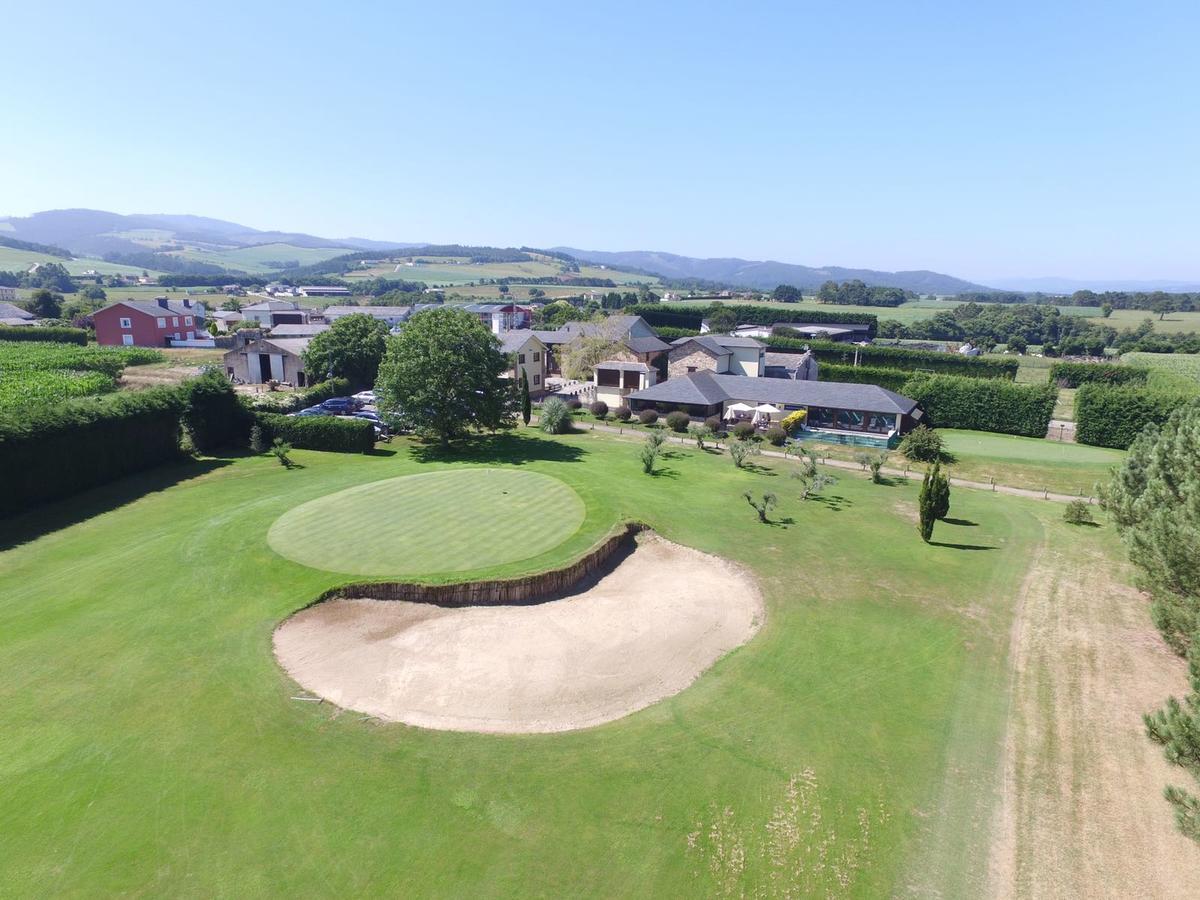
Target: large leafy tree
point(1154, 498)
point(442, 376)
point(45, 303)
point(352, 348)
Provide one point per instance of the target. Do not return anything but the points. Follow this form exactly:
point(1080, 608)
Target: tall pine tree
point(526, 405)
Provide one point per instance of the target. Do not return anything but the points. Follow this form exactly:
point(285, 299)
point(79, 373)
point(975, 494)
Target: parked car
point(312, 411)
point(341, 406)
point(365, 397)
point(364, 414)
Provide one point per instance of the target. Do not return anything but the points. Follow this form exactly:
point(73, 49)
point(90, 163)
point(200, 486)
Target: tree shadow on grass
point(966, 523)
point(959, 546)
point(783, 522)
point(833, 502)
point(510, 449)
point(58, 514)
point(758, 469)
point(664, 473)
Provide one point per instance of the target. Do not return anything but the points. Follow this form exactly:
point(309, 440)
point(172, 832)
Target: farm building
point(260, 360)
point(859, 413)
point(141, 323)
point(275, 312)
point(844, 332)
point(322, 290)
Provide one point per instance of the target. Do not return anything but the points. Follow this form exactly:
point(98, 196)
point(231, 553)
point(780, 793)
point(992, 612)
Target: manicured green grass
point(149, 743)
point(436, 522)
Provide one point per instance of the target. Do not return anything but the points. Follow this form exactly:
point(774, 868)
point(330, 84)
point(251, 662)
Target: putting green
point(448, 521)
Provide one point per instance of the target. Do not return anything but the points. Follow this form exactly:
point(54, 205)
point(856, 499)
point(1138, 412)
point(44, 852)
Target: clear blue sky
point(984, 140)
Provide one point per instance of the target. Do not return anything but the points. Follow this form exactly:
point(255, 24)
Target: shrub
point(49, 335)
point(743, 431)
point(714, 424)
point(280, 450)
point(700, 434)
point(740, 451)
point(258, 441)
point(648, 416)
point(794, 420)
point(656, 437)
point(213, 416)
point(763, 506)
point(317, 393)
point(555, 417)
point(1078, 512)
point(776, 435)
point(1074, 374)
point(678, 422)
point(599, 409)
point(57, 451)
point(623, 413)
point(984, 404)
point(648, 454)
point(574, 403)
point(338, 434)
point(1112, 416)
point(922, 444)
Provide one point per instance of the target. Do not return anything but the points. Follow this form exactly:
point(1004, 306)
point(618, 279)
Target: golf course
point(895, 719)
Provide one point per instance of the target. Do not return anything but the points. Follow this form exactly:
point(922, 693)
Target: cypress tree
point(940, 486)
point(925, 506)
point(526, 405)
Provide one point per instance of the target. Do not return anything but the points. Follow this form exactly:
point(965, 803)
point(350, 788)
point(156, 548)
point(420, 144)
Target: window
point(162, 323)
point(127, 339)
point(691, 369)
point(125, 323)
point(521, 358)
point(187, 320)
point(175, 323)
point(537, 357)
point(537, 379)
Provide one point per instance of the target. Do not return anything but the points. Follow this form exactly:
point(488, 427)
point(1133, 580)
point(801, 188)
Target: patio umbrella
point(732, 412)
point(767, 409)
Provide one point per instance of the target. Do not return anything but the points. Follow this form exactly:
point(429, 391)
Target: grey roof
point(552, 338)
point(647, 344)
point(707, 389)
point(334, 288)
point(621, 366)
point(271, 306)
point(151, 307)
point(13, 320)
point(705, 341)
point(8, 311)
point(818, 327)
point(512, 341)
point(720, 340)
point(379, 312)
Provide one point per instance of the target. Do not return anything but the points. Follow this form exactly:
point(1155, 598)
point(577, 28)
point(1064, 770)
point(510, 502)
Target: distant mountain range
point(91, 232)
point(766, 275)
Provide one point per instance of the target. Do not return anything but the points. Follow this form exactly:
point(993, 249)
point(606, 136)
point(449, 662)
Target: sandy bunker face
point(643, 632)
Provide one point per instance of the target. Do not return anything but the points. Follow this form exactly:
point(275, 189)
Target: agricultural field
point(1172, 323)
point(12, 260)
point(35, 373)
point(458, 271)
point(257, 260)
point(1184, 365)
point(874, 738)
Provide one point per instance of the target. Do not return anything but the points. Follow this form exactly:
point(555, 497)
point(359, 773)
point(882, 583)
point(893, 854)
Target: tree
point(722, 320)
point(934, 500)
point(786, 293)
point(442, 376)
point(526, 404)
point(648, 454)
point(45, 303)
point(555, 417)
point(763, 506)
point(701, 433)
point(741, 450)
point(581, 355)
point(503, 289)
point(232, 305)
point(352, 348)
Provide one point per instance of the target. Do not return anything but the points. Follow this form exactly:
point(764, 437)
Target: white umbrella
point(767, 409)
point(732, 412)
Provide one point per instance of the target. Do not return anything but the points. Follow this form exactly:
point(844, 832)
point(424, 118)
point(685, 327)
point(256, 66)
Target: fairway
point(447, 521)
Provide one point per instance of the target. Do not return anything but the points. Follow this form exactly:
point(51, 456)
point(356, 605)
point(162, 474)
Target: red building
point(140, 323)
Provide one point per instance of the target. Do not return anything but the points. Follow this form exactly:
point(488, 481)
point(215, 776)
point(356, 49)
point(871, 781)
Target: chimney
point(162, 301)
point(187, 304)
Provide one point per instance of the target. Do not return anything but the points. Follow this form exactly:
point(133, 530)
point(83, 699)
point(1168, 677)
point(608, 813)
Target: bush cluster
point(648, 416)
point(984, 404)
point(714, 424)
point(623, 413)
point(599, 409)
point(743, 431)
point(49, 334)
point(213, 415)
point(1074, 374)
point(50, 452)
point(922, 444)
point(1113, 415)
point(297, 400)
point(900, 358)
point(339, 434)
point(776, 435)
point(678, 421)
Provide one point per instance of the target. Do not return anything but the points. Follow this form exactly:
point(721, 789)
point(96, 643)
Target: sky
point(986, 140)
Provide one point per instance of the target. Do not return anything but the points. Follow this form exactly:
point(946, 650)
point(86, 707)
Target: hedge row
point(1113, 415)
point(983, 404)
point(892, 379)
point(48, 334)
point(681, 316)
point(340, 434)
point(54, 452)
point(900, 358)
point(1074, 374)
point(318, 393)
point(667, 333)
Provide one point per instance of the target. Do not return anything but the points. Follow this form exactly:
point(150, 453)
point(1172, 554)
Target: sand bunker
point(641, 632)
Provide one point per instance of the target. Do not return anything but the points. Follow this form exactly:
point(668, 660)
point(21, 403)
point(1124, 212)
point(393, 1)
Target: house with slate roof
point(721, 354)
point(142, 323)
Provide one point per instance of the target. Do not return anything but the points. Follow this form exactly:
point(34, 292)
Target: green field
point(1186, 365)
point(400, 526)
point(254, 260)
point(149, 744)
point(455, 272)
point(1172, 323)
point(21, 260)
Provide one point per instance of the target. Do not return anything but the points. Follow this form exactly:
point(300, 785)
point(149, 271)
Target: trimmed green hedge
point(213, 414)
point(682, 316)
point(983, 404)
point(899, 358)
point(51, 335)
point(892, 379)
point(1074, 374)
point(1113, 415)
point(340, 434)
point(667, 333)
point(52, 452)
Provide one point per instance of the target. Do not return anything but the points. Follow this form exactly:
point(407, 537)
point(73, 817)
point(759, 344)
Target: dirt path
point(1081, 809)
point(641, 633)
